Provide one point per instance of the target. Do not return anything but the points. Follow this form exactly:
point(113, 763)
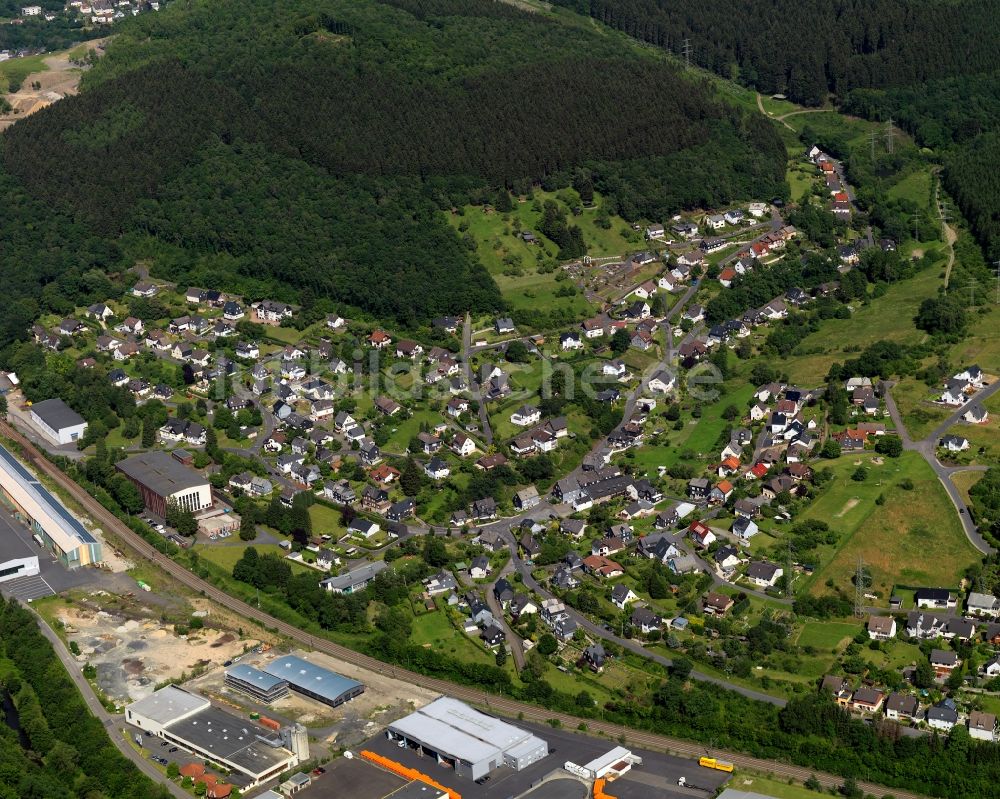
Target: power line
point(859, 589)
point(687, 50)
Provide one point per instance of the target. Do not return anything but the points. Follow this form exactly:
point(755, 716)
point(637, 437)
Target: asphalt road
point(927, 447)
point(499, 704)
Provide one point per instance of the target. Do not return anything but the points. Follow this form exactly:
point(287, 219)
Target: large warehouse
point(471, 742)
point(191, 722)
point(263, 687)
point(314, 681)
point(55, 528)
point(162, 478)
point(59, 422)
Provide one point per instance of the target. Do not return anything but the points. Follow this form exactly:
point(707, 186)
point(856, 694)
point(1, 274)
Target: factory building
point(260, 685)
point(53, 527)
point(59, 423)
point(314, 681)
point(470, 742)
point(251, 753)
point(162, 479)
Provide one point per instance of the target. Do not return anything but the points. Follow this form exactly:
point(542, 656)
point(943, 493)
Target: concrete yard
point(16, 542)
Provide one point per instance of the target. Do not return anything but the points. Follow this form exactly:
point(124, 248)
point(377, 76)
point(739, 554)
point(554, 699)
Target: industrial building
point(253, 754)
point(59, 423)
point(260, 685)
point(19, 567)
point(162, 479)
point(314, 681)
point(470, 742)
point(54, 527)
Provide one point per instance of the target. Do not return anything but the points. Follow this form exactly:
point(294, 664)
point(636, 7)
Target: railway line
point(496, 703)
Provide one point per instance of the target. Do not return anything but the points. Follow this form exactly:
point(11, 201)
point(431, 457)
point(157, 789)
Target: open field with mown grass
point(914, 538)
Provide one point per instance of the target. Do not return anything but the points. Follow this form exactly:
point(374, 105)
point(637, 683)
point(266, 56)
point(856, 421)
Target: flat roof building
point(190, 721)
point(314, 681)
point(57, 421)
point(57, 529)
point(263, 687)
point(470, 742)
point(161, 479)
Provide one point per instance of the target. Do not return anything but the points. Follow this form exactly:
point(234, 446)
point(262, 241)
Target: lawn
point(403, 431)
point(226, 555)
point(915, 187)
point(964, 481)
point(15, 70)
point(826, 635)
point(326, 521)
point(711, 424)
point(435, 631)
point(915, 538)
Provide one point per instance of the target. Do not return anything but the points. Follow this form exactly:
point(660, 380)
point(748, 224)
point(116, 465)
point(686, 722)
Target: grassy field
point(914, 538)
point(915, 187)
point(826, 635)
point(15, 70)
point(515, 264)
point(705, 435)
point(888, 317)
point(226, 555)
point(435, 631)
point(767, 786)
point(964, 481)
point(326, 521)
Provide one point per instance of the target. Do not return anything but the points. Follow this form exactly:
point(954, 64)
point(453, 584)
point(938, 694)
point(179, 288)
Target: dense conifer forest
point(309, 148)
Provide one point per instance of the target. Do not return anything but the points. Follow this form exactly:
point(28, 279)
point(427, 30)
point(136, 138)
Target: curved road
point(927, 447)
point(499, 704)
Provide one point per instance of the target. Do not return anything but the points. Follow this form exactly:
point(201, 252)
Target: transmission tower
point(687, 50)
point(872, 138)
point(888, 136)
point(859, 589)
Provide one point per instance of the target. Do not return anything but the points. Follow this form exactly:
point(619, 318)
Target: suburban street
point(927, 447)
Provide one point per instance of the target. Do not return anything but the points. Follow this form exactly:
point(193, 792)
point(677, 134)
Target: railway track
point(498, 704)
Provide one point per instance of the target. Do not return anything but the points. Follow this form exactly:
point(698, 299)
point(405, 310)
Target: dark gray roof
point(160, 473)
point(56, 414)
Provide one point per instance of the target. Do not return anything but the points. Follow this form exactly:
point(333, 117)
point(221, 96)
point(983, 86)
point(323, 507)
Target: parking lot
point(16, 542)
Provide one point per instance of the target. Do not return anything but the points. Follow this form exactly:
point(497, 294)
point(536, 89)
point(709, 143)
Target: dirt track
point(62, 79)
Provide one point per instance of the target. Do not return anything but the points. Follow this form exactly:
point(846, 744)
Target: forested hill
point(306, 148)
point(808, 48)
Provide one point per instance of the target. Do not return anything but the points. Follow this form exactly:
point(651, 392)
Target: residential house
point(935, 598)
point(953, 443)
point(983, 726)
point(480, 567)
point(902, 707)
point(602, 567)
point(526, 416)
point(764, 574)
point(622, 595)
point(881, 628)
point(944, 662)
point(983, 605)
point(943, 716)
point(867, 700)
point(715, 604)
point(701, 534)
point(645, 621)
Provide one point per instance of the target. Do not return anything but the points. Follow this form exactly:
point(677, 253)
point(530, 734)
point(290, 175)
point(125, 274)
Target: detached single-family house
point(881, 628)
point(764, 574)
